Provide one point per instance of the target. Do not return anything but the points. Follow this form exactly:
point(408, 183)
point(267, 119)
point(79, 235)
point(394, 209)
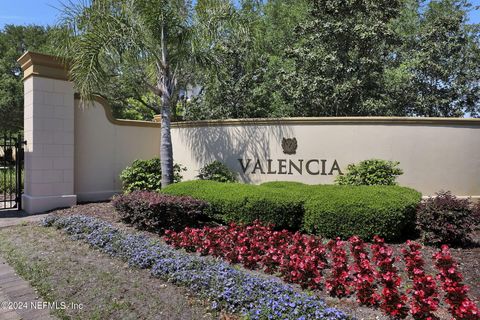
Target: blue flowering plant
point(232, 290)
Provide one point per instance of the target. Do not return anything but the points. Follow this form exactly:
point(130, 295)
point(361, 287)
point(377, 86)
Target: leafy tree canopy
point(270, 58)
point(245, 81)
point(348, 57)
point(14, 41)
point(340, 57)
point(436, 70)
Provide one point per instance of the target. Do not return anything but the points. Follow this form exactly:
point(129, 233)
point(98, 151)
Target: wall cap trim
point(333, 120)
point(43, 65)
point(292, 121)
point(107, 108)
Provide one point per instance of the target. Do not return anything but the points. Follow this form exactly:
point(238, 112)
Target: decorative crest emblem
point(289, 145)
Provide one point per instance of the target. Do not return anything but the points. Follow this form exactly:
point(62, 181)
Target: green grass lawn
point(69, 271)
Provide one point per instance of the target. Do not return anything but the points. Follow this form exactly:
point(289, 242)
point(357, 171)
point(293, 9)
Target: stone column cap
point(43, 65)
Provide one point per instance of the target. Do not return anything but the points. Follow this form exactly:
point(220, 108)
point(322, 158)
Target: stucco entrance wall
point(75, 151)
point(105, 146)
point(435, 154)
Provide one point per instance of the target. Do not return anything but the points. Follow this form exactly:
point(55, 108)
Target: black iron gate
point(11, 171)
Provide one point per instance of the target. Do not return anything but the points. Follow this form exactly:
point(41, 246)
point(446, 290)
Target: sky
point(45, 12)
point(24, 12)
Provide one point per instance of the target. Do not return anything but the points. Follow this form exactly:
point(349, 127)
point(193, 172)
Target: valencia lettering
point(283, 166)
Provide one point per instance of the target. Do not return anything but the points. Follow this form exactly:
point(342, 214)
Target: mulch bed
point(467, 258)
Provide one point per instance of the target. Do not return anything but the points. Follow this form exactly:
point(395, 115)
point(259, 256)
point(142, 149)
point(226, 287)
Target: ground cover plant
point(467, 259)
point(305, 260)
point(424, 293)
point(461, 307)
point(393, 301)
point(339, 282)
point(229, 289)
point(363, 273)
point(328, 210)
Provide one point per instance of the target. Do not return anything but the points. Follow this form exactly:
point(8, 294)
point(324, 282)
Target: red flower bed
point(393, 302)
point(364, 274)
point(424, 294)
point(339, 283)
point(304, 260)
point(461, 307)
point(297, 257)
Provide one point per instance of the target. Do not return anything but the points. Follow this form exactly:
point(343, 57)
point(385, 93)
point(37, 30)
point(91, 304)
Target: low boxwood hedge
point(365, 211)
point(327, 210)
point(292, 185)
point(243, 203)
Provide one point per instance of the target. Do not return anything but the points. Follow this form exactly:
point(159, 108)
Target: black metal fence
point(11, 171)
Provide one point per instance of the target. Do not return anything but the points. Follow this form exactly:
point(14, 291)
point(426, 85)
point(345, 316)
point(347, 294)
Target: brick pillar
point(49, 133)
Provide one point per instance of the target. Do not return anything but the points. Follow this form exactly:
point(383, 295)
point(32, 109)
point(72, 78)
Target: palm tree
point(152, 41)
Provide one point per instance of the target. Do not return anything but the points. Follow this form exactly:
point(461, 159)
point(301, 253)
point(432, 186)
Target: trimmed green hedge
point(365, 211)
point(344, 211)
point(327, 210)
point(243, 203)
point(292, 185)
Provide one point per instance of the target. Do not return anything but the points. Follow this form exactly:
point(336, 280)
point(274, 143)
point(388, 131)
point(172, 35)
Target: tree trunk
point(166, 85)
point(166, 150)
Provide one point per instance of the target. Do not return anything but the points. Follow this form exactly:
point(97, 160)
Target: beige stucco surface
point(104, 149)
point(49, 148)
point(433, 156)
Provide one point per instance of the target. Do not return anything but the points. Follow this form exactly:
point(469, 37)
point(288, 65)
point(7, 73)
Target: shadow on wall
point(227, 144)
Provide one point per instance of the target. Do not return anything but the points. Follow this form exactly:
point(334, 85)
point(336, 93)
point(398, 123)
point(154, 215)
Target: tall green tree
point(244, 82)
point(340, 57)
point(436, 70)
point(112, 39)
point(14, 41)
point(337, 58)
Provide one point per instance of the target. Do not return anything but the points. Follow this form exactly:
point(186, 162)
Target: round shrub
point(371, 172)
point(217, 171)
point(146, 175)
point(365, 211)
point(155, 211)
point(446, 219)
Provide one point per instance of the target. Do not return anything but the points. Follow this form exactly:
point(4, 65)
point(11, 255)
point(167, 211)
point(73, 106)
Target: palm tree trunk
point(166, 150)
point(166, 86)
